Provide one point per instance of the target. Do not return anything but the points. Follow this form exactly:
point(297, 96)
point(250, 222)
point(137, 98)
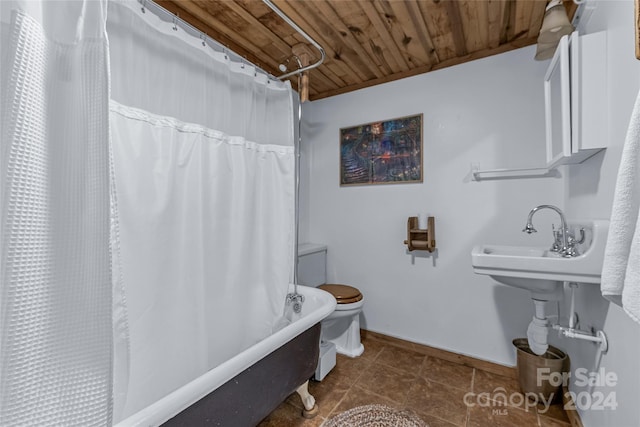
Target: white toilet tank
point(312, 264)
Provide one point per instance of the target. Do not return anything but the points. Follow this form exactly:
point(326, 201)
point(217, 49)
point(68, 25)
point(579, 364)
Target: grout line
point(473, 382)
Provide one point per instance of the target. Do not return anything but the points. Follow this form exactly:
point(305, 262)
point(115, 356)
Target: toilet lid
point(344, 294)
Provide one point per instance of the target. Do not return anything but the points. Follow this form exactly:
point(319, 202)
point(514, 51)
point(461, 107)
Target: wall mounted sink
point(540, 270)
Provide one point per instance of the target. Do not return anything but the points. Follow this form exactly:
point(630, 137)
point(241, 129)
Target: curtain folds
point(206, 237)
point(147, 209)
point(55, 294)
point(170, 73)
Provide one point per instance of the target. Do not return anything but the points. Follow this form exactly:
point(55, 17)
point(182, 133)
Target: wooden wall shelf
point(421, 240)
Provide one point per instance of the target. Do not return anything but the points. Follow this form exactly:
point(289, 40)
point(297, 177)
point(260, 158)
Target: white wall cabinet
point(575, 99)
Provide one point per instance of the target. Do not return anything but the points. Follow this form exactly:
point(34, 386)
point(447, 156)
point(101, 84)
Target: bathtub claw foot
point(308, 401)
point(310, 413)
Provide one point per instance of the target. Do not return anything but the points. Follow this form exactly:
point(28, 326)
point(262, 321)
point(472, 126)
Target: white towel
point(621, 267)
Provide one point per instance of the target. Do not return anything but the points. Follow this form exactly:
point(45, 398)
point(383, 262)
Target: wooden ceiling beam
point(456, 27)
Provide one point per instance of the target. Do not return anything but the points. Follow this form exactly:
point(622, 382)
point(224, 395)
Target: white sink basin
point(541, 271)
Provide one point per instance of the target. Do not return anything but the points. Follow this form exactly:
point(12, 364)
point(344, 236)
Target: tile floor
point(398, 374)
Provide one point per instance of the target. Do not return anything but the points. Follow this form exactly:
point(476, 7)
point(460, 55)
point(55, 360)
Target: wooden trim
point(494, 368)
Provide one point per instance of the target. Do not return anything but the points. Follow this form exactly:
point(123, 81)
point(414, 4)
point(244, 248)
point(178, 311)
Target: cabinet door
point(557, 97)
point(589, 132)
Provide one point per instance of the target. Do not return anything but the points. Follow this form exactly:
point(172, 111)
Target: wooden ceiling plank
point(349, 39)
point(417, 18)
point(508, 22)
point(384, 34)
point(471, 25)
point(398, 27)
point(362, 29)
point(437, 20)
point(408, 33)
point(516, 44)
point(482, 16)
point(537, 14)
point(495, 15)
point(301, 16)
point(524, 9)
point(456, 27)
point(190, 12)
point(395, 30)
point(256, 25)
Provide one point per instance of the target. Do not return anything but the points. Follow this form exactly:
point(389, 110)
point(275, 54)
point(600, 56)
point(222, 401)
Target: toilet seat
point(344, 294)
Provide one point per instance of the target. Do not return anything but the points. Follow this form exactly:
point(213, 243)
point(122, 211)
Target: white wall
point(489, 111)
point(589, 192)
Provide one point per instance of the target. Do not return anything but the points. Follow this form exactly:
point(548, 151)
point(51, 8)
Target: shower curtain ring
point(175, 23)
point(144, 3)
point(203, 36)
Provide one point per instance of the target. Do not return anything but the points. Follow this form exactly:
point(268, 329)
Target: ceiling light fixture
point(555, 24)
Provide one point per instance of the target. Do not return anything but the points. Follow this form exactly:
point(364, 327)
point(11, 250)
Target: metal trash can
point(544, 384)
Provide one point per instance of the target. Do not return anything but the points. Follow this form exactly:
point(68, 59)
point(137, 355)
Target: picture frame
point(382, 152)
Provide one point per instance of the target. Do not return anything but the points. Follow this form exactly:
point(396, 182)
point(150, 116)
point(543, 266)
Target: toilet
point(342, 327)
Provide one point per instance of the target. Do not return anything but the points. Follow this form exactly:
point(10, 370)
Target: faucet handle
point(557, 239)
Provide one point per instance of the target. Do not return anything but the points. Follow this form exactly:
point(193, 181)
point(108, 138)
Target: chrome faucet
point(564, 242)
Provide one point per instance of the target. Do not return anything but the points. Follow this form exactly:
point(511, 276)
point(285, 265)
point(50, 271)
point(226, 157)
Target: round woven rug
point(375, 416)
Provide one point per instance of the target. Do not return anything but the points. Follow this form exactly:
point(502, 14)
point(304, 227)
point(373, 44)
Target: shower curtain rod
point(206, 39)
point(159, 10)
point(300, 31)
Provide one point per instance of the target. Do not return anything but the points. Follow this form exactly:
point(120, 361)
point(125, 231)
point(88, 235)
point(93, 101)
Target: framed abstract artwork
point(383, 152)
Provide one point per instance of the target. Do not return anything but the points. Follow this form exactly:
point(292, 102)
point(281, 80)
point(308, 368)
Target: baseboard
point(495, 368)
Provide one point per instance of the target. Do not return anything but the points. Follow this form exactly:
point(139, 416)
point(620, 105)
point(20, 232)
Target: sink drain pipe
point(572, 332)
point(538, 330)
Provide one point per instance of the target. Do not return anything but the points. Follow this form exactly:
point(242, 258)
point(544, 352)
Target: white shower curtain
point(55, 294)
point(204, 177)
